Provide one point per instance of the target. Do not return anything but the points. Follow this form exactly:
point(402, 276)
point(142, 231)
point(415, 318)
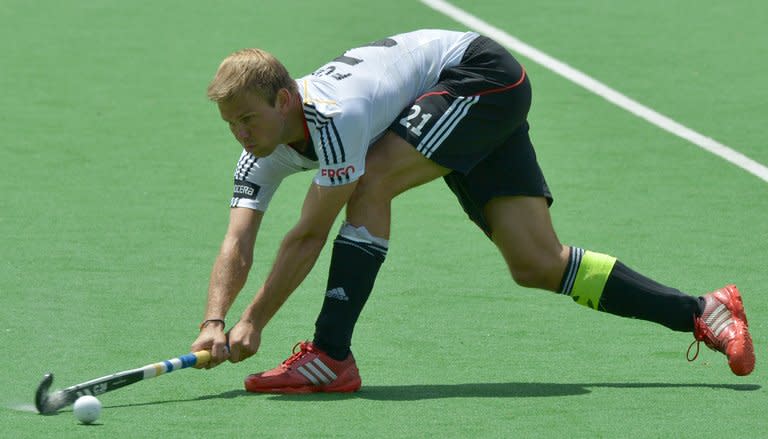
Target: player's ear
point(283, 99)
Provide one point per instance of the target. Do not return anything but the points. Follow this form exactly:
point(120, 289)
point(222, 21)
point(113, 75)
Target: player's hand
point(213, 339)
point(244, 341)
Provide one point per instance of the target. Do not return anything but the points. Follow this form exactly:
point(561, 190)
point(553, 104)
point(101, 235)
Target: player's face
point(258, 126)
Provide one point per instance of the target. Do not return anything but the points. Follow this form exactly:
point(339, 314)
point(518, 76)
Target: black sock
point(601, 282)
point(354, 266)
point(630, 294)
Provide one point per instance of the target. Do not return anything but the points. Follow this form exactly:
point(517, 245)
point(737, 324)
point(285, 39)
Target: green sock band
point(591, 278)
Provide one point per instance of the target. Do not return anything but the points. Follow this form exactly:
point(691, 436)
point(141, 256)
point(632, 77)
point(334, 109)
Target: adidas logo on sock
point(337, 293)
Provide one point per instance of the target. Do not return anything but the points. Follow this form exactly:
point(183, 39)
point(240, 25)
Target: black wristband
point(207, 321)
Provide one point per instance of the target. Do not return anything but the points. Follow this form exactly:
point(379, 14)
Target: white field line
point(600, 89)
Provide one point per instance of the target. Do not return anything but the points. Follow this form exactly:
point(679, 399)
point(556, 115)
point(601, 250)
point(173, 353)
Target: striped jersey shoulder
point(327, 139)
point(245, 165)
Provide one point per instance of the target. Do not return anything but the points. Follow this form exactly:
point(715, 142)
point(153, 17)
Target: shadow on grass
point(416, 392)
point(495, 390)
point(230, 394)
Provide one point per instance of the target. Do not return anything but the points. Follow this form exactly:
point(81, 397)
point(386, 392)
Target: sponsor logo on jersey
point(345, 171)
point(245, 189)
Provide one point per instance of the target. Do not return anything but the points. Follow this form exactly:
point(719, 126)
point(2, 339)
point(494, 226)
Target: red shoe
point(308, 370)
point(723, 327)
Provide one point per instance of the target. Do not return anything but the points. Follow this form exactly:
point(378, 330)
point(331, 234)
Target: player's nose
point(242, 133)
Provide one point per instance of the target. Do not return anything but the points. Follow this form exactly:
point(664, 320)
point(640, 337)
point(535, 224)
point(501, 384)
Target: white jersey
point(348, 104)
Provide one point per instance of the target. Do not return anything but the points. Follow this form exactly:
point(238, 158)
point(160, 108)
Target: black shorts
point(478, 128)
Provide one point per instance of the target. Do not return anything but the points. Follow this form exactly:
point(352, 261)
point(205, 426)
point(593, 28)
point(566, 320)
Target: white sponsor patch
point(337, 293)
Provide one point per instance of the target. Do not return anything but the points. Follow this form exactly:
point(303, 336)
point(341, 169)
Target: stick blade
point(42, 400)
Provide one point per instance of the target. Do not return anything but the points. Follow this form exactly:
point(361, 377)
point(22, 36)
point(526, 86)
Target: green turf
point(117, 176)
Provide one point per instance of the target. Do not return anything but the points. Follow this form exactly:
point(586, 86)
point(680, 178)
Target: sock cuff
point(589, 283)
point(569, 277)
point(361, 235)
point(361, 239)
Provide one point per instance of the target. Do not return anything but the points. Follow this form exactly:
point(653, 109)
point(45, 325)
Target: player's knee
point(538, 276)
point(371, 187)
point(526, 277)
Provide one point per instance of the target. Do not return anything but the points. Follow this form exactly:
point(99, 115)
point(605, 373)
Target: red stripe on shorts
point(484, 92)
point(506, 87)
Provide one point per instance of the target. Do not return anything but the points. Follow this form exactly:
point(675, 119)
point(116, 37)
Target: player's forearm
point(295, 259)
point(228, 276)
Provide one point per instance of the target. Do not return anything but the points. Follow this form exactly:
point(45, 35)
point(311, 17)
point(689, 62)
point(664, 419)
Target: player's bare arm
point(297, 255)
point(228, 276)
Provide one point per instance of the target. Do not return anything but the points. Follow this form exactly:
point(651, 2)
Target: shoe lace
point(699, 334)
point(702, 332)
point(303, 349)
point(688, 352)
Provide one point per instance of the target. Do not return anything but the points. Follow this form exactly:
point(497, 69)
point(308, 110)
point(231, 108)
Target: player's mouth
point(259, 150)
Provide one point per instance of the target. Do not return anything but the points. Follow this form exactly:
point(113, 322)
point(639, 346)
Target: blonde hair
point(250, 70)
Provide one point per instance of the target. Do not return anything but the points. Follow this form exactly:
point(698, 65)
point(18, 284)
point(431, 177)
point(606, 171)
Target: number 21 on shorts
point(415, 126)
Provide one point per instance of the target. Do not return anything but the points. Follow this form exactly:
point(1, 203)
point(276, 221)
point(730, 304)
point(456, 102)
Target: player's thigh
point(521, 227)
point(511, 169)
point(393, 166)
point(507, 196)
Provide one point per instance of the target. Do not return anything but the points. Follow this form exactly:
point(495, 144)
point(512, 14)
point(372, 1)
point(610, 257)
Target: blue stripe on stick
point(168, 366)
point(188, 360)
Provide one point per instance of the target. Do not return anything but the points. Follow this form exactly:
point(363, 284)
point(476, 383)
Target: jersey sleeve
point(257, 178)
point(341, 138)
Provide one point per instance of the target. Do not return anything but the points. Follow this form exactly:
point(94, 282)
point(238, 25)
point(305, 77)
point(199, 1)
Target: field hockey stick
point(51, 403)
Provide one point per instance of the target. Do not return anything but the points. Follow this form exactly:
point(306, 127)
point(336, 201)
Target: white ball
point(87, 409)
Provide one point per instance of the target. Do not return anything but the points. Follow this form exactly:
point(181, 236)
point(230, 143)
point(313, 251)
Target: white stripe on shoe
point(720, 329)
point(308, 375)
point(719, 319)
point(317, 372)
point(325, 368)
